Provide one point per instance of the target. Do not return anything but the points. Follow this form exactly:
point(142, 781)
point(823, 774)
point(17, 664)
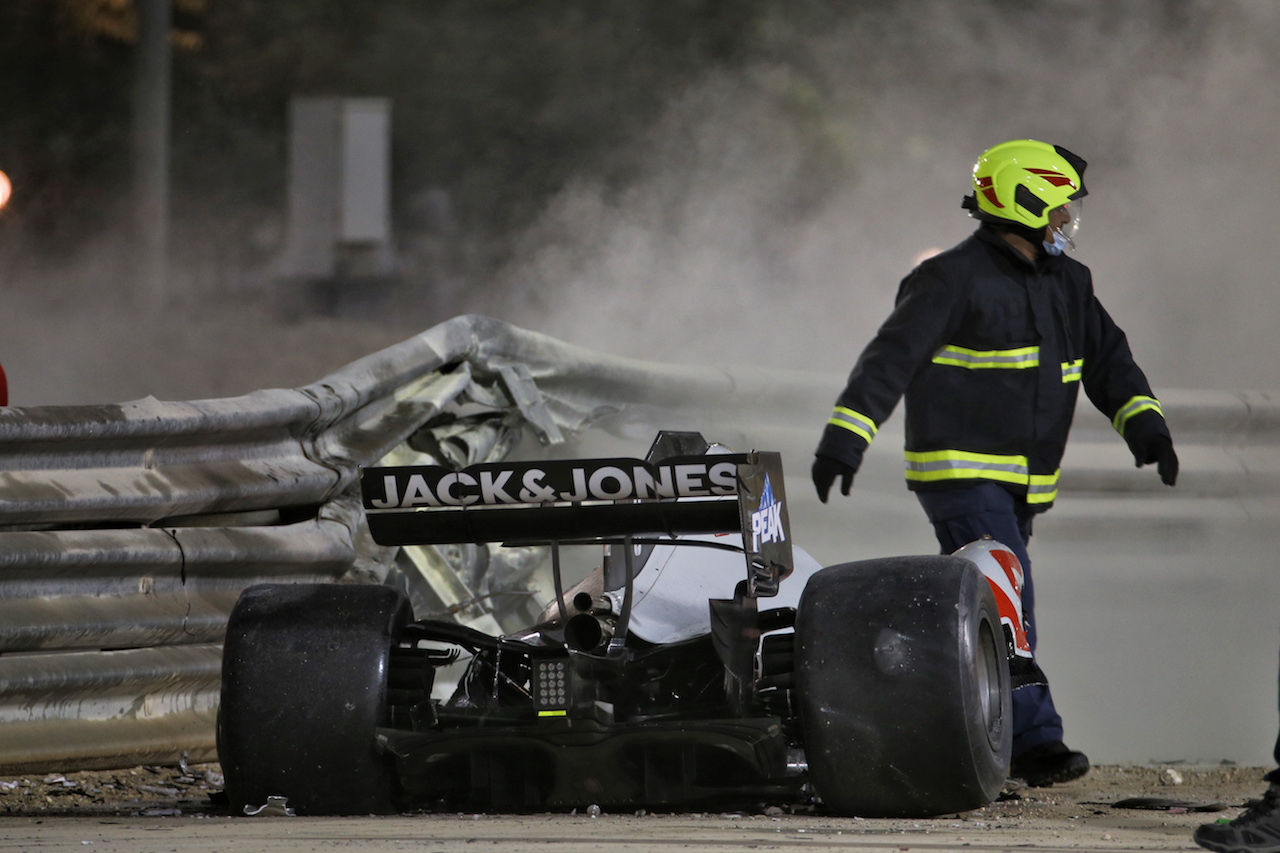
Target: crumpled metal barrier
point(127, 531)
point(108, 709)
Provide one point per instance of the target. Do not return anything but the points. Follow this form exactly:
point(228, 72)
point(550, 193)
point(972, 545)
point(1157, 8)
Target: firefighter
point(989, 343)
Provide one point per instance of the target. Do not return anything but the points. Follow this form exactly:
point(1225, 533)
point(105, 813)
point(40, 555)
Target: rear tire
point(303, 692)
point(903, 687)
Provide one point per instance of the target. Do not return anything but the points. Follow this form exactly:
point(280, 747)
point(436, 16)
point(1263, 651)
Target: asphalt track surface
point(1084, 815)
point(627, 834)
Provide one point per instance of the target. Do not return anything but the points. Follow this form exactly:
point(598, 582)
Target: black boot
point(1048, 763)
point(1255, 831)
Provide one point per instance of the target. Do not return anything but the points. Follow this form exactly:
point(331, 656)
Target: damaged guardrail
point(127, 531)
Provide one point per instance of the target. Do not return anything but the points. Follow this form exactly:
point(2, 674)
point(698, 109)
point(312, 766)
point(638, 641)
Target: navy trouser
point(960, 516)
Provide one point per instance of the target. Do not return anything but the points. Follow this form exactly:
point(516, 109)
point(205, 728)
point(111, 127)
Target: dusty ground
point(192, 790)
point(1192, 793)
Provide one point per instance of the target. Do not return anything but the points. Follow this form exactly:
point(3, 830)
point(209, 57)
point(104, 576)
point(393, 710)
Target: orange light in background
point(6, 189)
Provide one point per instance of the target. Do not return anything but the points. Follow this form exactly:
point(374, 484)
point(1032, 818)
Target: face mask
point(1060, 242)
point(1060, 238)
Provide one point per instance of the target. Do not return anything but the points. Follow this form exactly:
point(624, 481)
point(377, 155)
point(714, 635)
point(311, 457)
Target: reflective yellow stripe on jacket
point(1072, 370)
point(974, 359)
point(936, 466)
point(855, 422)
point(1135, 406)
point(1043, 488)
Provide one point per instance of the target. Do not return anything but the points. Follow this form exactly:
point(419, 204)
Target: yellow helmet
point(1020, 181)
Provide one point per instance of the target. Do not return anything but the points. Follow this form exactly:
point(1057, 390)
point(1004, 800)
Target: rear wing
point(589, 500)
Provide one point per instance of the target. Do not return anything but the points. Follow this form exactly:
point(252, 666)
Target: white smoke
point(701, 257)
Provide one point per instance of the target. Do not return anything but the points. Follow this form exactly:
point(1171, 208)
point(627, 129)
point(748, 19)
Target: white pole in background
point(151, 120)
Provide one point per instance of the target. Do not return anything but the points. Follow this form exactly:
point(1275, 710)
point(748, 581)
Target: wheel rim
point(990, 694)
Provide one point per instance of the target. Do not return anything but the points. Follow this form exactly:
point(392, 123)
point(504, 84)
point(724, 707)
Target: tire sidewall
point(892, 690)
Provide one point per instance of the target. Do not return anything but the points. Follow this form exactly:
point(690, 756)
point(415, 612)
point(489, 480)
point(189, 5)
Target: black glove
point(1157, 449)
point(825, 471)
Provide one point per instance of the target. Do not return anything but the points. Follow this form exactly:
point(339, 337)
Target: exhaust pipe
point(585, 602)
point(587, 633)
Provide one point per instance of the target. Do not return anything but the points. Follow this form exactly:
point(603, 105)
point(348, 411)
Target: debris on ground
point(137, 791)
point(1164, 804)
point(273, 807)
point(196, 791)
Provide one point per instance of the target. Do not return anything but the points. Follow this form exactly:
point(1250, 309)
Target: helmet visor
point(1066, 220)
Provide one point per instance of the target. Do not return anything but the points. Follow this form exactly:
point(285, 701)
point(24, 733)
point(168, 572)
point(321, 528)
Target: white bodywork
point(1004, 573)
point(671, 590)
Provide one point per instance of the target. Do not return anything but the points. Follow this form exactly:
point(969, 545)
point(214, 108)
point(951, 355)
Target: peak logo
point(766, 522)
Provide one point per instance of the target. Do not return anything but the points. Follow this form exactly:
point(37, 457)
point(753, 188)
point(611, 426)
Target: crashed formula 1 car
point(705, 664)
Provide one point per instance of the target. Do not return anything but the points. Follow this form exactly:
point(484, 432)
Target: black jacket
point(989, 350)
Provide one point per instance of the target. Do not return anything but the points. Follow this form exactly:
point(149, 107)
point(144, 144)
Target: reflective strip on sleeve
point(1135, 406)
point(973, 359)
point(1043, 488)
point(937, 465)
point(1072, 370)
point(855, 422)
